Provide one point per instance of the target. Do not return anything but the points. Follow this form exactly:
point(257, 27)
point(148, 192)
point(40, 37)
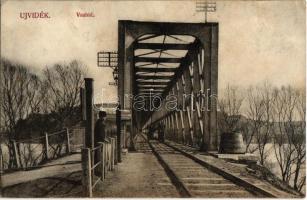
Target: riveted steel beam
point(165, 46)
point(154, 77)
point(157, 60)
point(155, 69)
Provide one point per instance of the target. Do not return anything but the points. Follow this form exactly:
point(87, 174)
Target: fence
point(1, 163)
point(33, 152)
point(96, 162)
point(77, 140)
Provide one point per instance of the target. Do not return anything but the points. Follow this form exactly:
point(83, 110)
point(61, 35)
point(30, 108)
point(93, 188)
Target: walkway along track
point(195, 180)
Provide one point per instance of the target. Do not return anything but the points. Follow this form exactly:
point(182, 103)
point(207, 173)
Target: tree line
point(30, 102)
point(266, 115)
point(272, 121)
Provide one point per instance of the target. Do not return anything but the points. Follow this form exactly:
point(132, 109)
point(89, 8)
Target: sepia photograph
point(153, 99)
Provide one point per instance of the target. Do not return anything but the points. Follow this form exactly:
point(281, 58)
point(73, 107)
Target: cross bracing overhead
point(156, 59)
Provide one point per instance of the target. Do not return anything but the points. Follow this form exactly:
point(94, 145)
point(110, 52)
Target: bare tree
point(255, 114)
point(24, 94)
point(298, 130)
point(259, 111)
point(20, 98)
point(284, 107)
point(62, 83)
point(273, 115)
point(230, 110)
point(264, 134)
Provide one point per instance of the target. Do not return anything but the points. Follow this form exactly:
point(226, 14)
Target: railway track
point(193, 179)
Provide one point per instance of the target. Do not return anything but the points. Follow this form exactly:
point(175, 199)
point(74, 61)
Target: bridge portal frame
point(207, 36)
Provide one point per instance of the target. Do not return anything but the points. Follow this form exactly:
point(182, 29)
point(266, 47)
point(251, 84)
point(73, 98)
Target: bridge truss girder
point(195, 119)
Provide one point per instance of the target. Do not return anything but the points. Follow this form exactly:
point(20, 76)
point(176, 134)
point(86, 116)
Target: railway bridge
point(168, 76)
point(167, 85)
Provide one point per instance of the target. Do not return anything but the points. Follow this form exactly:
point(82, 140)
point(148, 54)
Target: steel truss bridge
point(157, 61)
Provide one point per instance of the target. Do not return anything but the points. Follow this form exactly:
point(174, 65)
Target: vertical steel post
point(89, 122)
point(118, 132)
point(82, 104)
point(89, 125)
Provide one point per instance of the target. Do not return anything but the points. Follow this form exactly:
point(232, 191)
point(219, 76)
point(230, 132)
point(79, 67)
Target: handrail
point(104, 161)
point(44, 153)
point(56, 133)
point(95, 148)
point(30, 139)
point(37, 138)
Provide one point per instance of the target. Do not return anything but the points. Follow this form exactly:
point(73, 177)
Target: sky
point(258, 40)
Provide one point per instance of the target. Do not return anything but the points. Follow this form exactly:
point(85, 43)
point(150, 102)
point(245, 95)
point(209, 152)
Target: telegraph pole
point(204, 6)
point(110, 59)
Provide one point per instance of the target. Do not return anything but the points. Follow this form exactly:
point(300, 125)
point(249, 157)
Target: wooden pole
point(109, 154)
point(68, 150)
point(112, 153)
point(86, 172)
point(105, 158)
point(1, 163)
point(102, 160)
point(16, 155)
point(46, 146)
point(116, 149)
point(118, 132)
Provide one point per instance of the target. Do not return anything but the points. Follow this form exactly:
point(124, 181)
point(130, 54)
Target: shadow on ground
point(65, 185)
